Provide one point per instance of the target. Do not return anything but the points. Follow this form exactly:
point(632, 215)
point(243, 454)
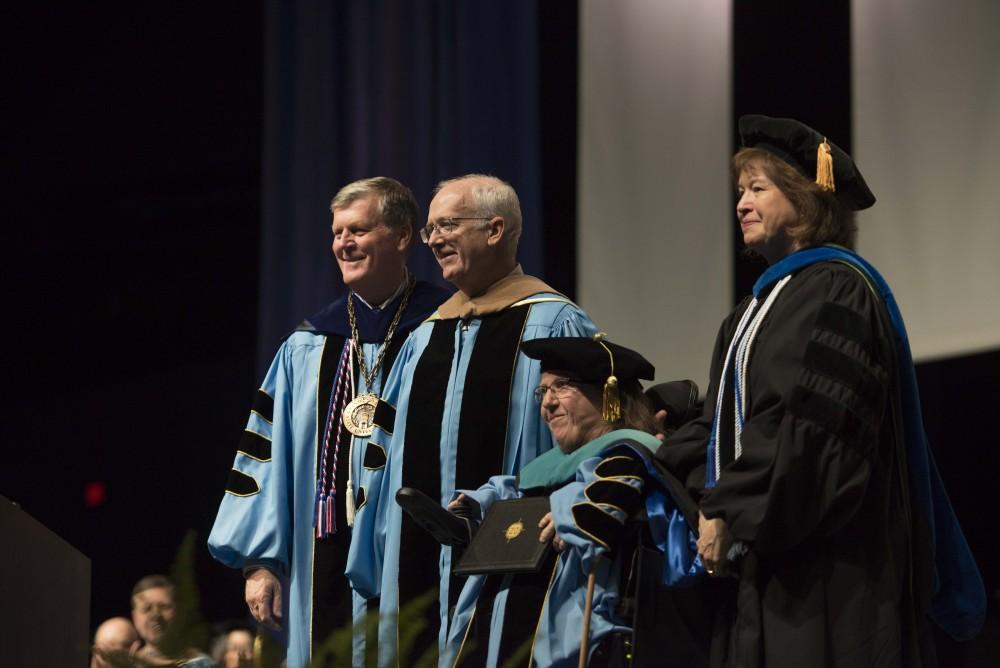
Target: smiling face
point(468, 256)
point(152, 612)
point(370, 255)
point(573, 414)
point(766, 215)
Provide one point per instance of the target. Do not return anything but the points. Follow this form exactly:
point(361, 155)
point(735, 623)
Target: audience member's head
point(153, 608)
point(115, 637)
point(233, 645)
point(239, 649)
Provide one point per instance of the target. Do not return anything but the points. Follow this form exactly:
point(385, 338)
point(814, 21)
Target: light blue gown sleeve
point(496, 488)
point(254, 524)
point(574, 323)
point(590, 513)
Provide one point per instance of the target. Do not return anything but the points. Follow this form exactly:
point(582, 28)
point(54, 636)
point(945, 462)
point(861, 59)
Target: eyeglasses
point(445, 226)
point(560, 387)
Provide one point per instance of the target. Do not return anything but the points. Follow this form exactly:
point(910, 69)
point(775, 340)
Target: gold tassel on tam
point(612, 408)
point(612, 402)
point(824, 167)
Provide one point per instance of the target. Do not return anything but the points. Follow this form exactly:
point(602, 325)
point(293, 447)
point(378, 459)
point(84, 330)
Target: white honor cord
point(744, 319)
point(743, 359)
point(349, 492)
point(739, 354)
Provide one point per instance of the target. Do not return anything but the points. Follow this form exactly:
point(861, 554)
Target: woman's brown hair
point(637, 411)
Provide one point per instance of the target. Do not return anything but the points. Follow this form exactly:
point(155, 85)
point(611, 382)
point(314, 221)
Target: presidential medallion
point(359, 415)
point(514, 530)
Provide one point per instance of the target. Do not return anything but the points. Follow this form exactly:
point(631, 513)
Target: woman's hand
point(714, 541)
point(548, 532)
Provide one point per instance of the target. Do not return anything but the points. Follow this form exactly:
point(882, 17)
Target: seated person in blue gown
point(591, 399)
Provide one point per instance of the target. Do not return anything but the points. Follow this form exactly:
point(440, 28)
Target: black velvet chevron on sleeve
point(241, 484)
point(596, 523)
point(833, 416)
point(621, 495)
point(254, 445)
point(617, 466)
point(846, 322)
point(844, 369)
point(374, 456)
point(263, 405)
point(385, 416)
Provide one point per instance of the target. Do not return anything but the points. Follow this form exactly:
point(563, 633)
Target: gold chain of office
point(359, 414)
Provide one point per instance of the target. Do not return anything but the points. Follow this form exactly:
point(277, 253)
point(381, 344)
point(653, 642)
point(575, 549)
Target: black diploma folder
point(507, 540)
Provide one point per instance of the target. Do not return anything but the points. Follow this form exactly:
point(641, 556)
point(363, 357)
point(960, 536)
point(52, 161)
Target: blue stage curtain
point(417, 90)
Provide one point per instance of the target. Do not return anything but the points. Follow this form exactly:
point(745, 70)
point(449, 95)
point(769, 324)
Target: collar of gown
point(509, 290)
point(556, 467)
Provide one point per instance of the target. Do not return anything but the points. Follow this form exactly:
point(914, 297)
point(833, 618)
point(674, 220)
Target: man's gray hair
point(394, 203)
point(492, 196)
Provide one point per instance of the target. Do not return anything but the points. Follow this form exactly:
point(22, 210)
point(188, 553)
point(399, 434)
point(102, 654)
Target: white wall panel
point(654, 254)
point(927, 137)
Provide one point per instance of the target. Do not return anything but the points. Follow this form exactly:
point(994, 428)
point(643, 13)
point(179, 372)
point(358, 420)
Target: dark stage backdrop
point(146, 142)
point(130, 236)
point(138, 136)
point(419, 91)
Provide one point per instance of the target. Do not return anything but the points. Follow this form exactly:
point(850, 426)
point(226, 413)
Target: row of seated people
point(150, 637)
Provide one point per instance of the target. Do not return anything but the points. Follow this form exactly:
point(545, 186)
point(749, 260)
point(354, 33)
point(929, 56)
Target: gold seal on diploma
point(514, 530)
point(359, 416)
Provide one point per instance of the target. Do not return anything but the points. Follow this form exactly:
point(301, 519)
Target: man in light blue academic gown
point(458, 405)
point(290, 501)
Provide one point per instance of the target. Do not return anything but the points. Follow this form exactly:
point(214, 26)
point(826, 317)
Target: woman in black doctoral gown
point(814, 488)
